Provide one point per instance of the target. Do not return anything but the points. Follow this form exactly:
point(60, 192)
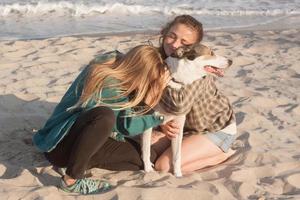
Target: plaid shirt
point(207, 109)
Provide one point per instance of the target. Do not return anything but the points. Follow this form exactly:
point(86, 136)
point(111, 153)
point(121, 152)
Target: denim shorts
point(222, 140)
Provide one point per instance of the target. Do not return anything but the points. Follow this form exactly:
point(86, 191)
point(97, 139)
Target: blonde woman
point(105, 98)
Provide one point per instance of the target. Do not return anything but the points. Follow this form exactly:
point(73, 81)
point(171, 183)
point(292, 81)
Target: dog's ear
point(191, 55)
point(201, 49)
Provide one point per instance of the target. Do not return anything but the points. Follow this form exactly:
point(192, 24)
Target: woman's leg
point(198, 152)
point(159, 142)
point(112, 154)
point(85, 138)
point(87, 145)
point(120, 156)
point(97, 126)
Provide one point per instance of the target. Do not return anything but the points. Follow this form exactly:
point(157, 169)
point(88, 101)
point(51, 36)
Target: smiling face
point(179, 35)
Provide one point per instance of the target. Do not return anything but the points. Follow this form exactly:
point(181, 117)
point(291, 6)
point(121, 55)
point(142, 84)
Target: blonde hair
point(138, 73)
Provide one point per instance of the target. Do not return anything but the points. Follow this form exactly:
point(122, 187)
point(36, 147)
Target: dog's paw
point(149, 167)
point(177, 173)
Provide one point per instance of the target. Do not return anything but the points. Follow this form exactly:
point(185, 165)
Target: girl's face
point(179, 35)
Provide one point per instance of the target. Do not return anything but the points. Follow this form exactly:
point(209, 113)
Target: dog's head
point(204, 58)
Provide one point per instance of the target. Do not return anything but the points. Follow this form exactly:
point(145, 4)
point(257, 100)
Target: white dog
point(189, 65)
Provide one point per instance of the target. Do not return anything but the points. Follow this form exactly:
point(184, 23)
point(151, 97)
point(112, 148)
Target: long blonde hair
point(138, 73)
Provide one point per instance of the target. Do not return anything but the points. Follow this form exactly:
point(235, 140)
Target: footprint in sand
point(294, 180)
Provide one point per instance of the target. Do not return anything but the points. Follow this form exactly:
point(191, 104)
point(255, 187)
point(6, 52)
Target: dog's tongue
point(217, 71)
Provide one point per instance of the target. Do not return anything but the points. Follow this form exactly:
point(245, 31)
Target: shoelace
point(89, 186)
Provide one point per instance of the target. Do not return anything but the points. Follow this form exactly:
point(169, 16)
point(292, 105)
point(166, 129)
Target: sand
point(262, 84)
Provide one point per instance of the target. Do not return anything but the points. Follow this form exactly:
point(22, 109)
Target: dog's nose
point(229, 62)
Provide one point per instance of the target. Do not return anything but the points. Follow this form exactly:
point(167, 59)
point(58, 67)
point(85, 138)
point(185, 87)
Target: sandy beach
point(262, 84)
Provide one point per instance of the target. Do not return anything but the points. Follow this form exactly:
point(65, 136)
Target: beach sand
point(262, 84)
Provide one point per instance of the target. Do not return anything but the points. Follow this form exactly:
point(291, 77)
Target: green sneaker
point(86, 186)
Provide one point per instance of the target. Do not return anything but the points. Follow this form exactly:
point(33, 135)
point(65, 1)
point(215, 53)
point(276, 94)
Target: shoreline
point(153, 32)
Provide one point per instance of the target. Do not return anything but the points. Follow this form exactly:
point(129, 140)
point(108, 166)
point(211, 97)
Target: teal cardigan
point(61, 120)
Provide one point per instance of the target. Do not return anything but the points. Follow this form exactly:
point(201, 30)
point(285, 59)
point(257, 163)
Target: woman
point(105, 98)
point(205, 142)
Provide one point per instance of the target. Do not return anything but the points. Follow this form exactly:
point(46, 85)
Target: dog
point(186, 65)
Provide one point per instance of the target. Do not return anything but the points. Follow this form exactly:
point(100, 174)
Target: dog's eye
point(212, 53)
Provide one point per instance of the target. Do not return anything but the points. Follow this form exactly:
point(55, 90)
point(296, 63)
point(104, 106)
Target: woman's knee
point(162, 165)
point(104, 114)
point(94, 121)
point(97, 113)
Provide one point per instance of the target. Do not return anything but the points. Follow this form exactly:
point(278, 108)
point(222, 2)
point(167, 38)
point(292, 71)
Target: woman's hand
point(170, 129)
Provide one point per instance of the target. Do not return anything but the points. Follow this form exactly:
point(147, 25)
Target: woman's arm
point(135, 125)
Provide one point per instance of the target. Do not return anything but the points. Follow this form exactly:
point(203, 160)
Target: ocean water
point(33, 19)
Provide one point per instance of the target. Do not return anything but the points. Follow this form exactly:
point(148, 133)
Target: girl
point(105, 98)
point(206, 142)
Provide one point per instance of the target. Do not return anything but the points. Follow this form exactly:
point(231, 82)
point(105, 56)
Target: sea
point(37, 19)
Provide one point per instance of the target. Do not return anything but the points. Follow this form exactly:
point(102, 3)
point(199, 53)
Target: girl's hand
point(170, 129)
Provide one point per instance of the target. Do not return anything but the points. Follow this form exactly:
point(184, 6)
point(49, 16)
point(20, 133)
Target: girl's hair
point(187, 20)
point(138, 73)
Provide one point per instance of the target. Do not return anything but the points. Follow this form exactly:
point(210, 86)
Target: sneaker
point(86, 186)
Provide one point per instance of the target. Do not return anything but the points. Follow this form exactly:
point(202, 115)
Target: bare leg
point(159, 142)
point(197, 152)
point(211, 161)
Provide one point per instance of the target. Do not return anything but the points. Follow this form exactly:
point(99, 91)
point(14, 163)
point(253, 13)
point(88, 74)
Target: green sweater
point(62, 119)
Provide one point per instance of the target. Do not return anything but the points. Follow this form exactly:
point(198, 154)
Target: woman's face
point(179, 35)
